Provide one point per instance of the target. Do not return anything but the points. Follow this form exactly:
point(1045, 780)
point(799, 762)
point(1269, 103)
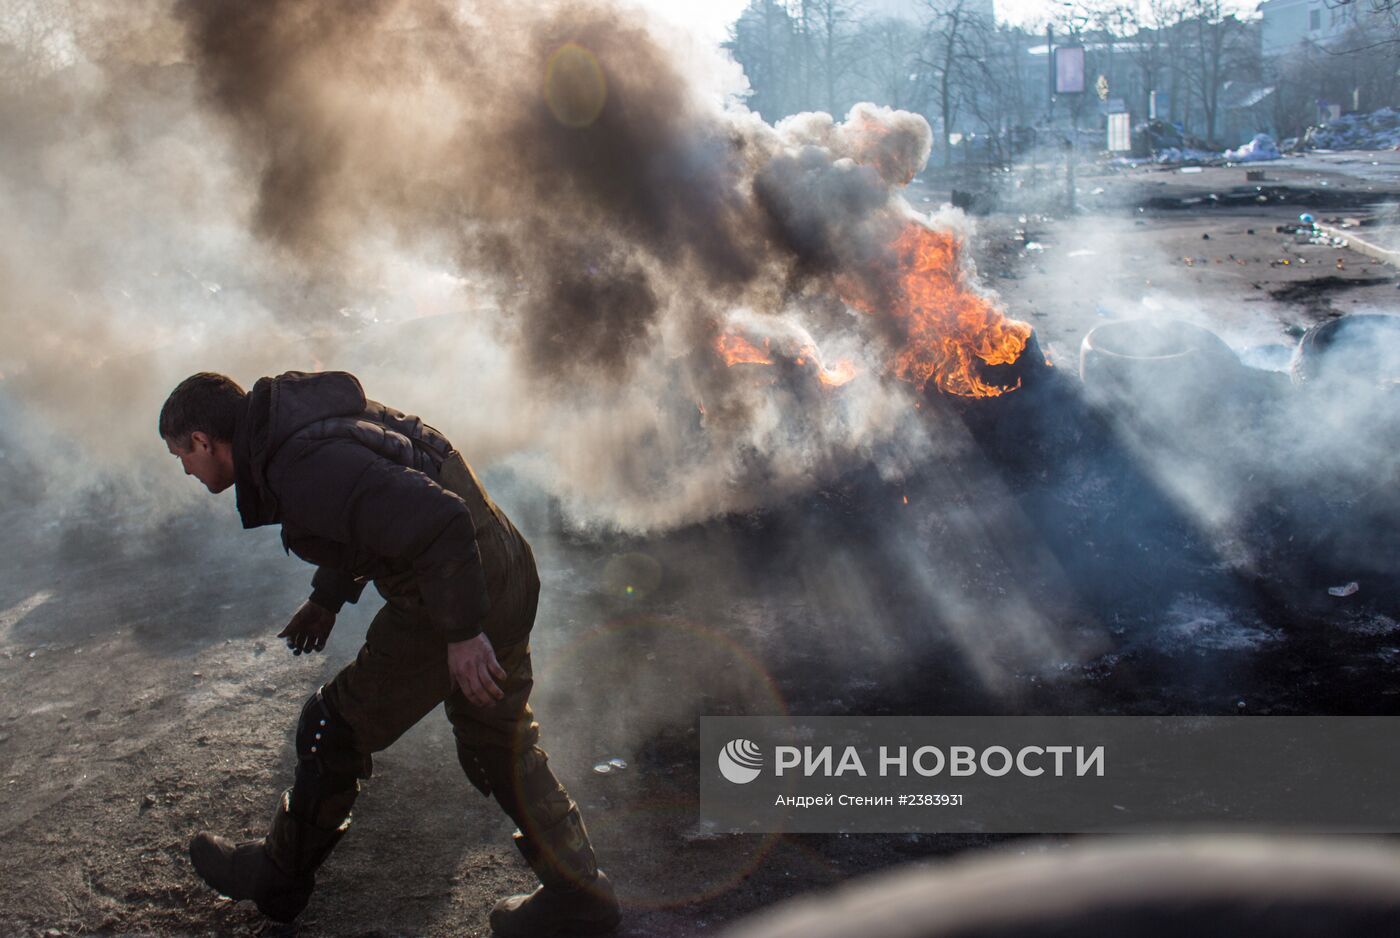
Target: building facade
point(1288, 24)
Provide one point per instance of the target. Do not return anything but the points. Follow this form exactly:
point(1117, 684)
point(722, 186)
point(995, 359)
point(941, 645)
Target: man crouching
point(365, 492)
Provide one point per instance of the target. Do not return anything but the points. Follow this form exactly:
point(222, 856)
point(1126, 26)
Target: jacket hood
point(277, 409)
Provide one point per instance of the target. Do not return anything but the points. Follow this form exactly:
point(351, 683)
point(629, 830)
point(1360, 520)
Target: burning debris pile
point(947, 332)
point(952, 332)
point(640, 295)
point(647, 245)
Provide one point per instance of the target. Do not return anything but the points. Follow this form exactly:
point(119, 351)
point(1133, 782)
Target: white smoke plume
point(529, 225)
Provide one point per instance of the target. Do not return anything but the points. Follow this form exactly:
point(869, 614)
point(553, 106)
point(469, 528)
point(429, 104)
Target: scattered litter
point(610, 766)
point(1240, 705)
point(1034, 247)
point(1205, 237)
point(1082, 252)
point(1349, 589)
point(148, 802)
point(1189, 169)
point(1098, 191)
point(1307, 232)
point(92, 714)
point(1249, 231)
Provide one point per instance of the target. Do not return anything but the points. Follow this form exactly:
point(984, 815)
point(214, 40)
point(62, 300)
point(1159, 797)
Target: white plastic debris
point(1346, 590)
point(1034, 247)
point(610, 766)
point(1262, 147)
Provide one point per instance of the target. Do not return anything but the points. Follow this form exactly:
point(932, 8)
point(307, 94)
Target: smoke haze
point(531, 226)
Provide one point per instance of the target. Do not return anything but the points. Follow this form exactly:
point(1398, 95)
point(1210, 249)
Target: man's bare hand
point(473, 665)
point(310, 627)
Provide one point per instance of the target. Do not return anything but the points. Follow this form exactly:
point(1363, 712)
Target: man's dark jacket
point(355, 486)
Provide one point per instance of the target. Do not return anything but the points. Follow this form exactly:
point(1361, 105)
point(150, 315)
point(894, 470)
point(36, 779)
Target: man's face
point(209, 461)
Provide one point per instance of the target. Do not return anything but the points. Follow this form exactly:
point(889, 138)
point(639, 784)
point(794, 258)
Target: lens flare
point(574, 86)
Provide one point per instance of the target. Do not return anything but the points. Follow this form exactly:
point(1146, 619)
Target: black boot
point(574, 897)
point(277, 872)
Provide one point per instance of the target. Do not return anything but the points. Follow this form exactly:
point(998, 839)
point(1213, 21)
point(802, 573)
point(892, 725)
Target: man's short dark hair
point(206, 402)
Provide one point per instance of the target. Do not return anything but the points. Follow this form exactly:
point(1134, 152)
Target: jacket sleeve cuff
point(332, 589)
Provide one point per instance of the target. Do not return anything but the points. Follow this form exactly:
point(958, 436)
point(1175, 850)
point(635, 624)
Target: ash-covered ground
point(143, 695)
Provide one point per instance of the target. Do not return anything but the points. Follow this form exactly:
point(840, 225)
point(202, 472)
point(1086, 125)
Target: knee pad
point(490, 766)
point(329, 765)
point(526, 787)
point(475, 768)
point(326, 743)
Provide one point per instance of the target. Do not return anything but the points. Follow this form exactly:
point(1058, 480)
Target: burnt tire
point(1203, 887)
point(1135, 355)
point(1362, 349)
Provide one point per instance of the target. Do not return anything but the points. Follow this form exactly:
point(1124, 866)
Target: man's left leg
point(498, 747)
point(399, 676)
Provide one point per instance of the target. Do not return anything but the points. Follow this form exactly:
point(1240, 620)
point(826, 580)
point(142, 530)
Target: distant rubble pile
point(1378, 130)
point(1164, 142)
point(1160, 142)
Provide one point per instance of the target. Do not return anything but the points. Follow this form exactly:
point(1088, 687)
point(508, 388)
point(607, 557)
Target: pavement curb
point(1361, 245)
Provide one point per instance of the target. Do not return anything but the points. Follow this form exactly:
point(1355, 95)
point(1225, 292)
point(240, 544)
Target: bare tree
point(763, 40)
point(891, 51)
point(948, 59)
point(1214, 43)
point(834, 42)
point(36, 39)
point(997, 87)
point(1377, 20)
point(1146, 50)
point(41, 37)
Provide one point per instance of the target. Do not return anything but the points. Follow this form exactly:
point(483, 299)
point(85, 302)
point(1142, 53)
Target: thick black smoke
point(567, 201)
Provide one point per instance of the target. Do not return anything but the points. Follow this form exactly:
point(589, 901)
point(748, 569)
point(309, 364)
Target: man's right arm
point(310, 627)
point(331, 589)
point(344, 492)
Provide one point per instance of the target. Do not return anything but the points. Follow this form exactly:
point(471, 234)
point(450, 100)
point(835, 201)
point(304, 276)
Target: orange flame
point(948, 327)
point(843, 372)
point(737, 350)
